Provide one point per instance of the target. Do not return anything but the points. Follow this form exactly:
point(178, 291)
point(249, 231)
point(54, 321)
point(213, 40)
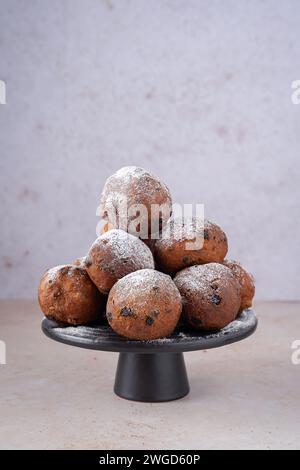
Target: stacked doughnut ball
point(148, 285)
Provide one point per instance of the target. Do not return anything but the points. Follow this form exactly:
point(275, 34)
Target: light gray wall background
point(198, 91)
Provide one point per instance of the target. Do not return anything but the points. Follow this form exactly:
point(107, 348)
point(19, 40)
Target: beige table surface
point(53, 396)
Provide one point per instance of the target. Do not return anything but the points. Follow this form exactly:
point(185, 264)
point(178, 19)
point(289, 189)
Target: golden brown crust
point(67, 295)
point(114, 255)
point(176, 251)
point(246, 281)
point(144, 305)
point(210, 294)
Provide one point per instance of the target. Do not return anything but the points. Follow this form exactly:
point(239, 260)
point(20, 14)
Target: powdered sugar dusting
point(130, 185)
point(144, 279)
point(184, 229)
point(127, 172)
point(126, 247)
point(245, 321)
point(73, 272)
point(52, 273)
point(199, 278)
point(140, 283)
point(125, 175)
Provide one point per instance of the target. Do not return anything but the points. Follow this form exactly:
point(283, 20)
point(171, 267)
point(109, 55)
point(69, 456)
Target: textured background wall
point(199, 92)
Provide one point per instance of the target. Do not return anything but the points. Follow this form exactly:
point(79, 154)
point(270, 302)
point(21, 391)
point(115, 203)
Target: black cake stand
point(151, 371)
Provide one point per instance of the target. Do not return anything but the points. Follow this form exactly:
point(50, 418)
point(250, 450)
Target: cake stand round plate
point(154, 370)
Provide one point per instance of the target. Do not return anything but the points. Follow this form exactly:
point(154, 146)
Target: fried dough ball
point(187, 242)
point(138, 191)
point(114, 255)
point(210, 295)
point(144, 305)
point(67, 295)
point(246, 281)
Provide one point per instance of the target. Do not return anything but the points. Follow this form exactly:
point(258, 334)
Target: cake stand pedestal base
point(151, 377)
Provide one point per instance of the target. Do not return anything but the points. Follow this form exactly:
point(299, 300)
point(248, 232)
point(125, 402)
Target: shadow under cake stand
point(151, 371)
